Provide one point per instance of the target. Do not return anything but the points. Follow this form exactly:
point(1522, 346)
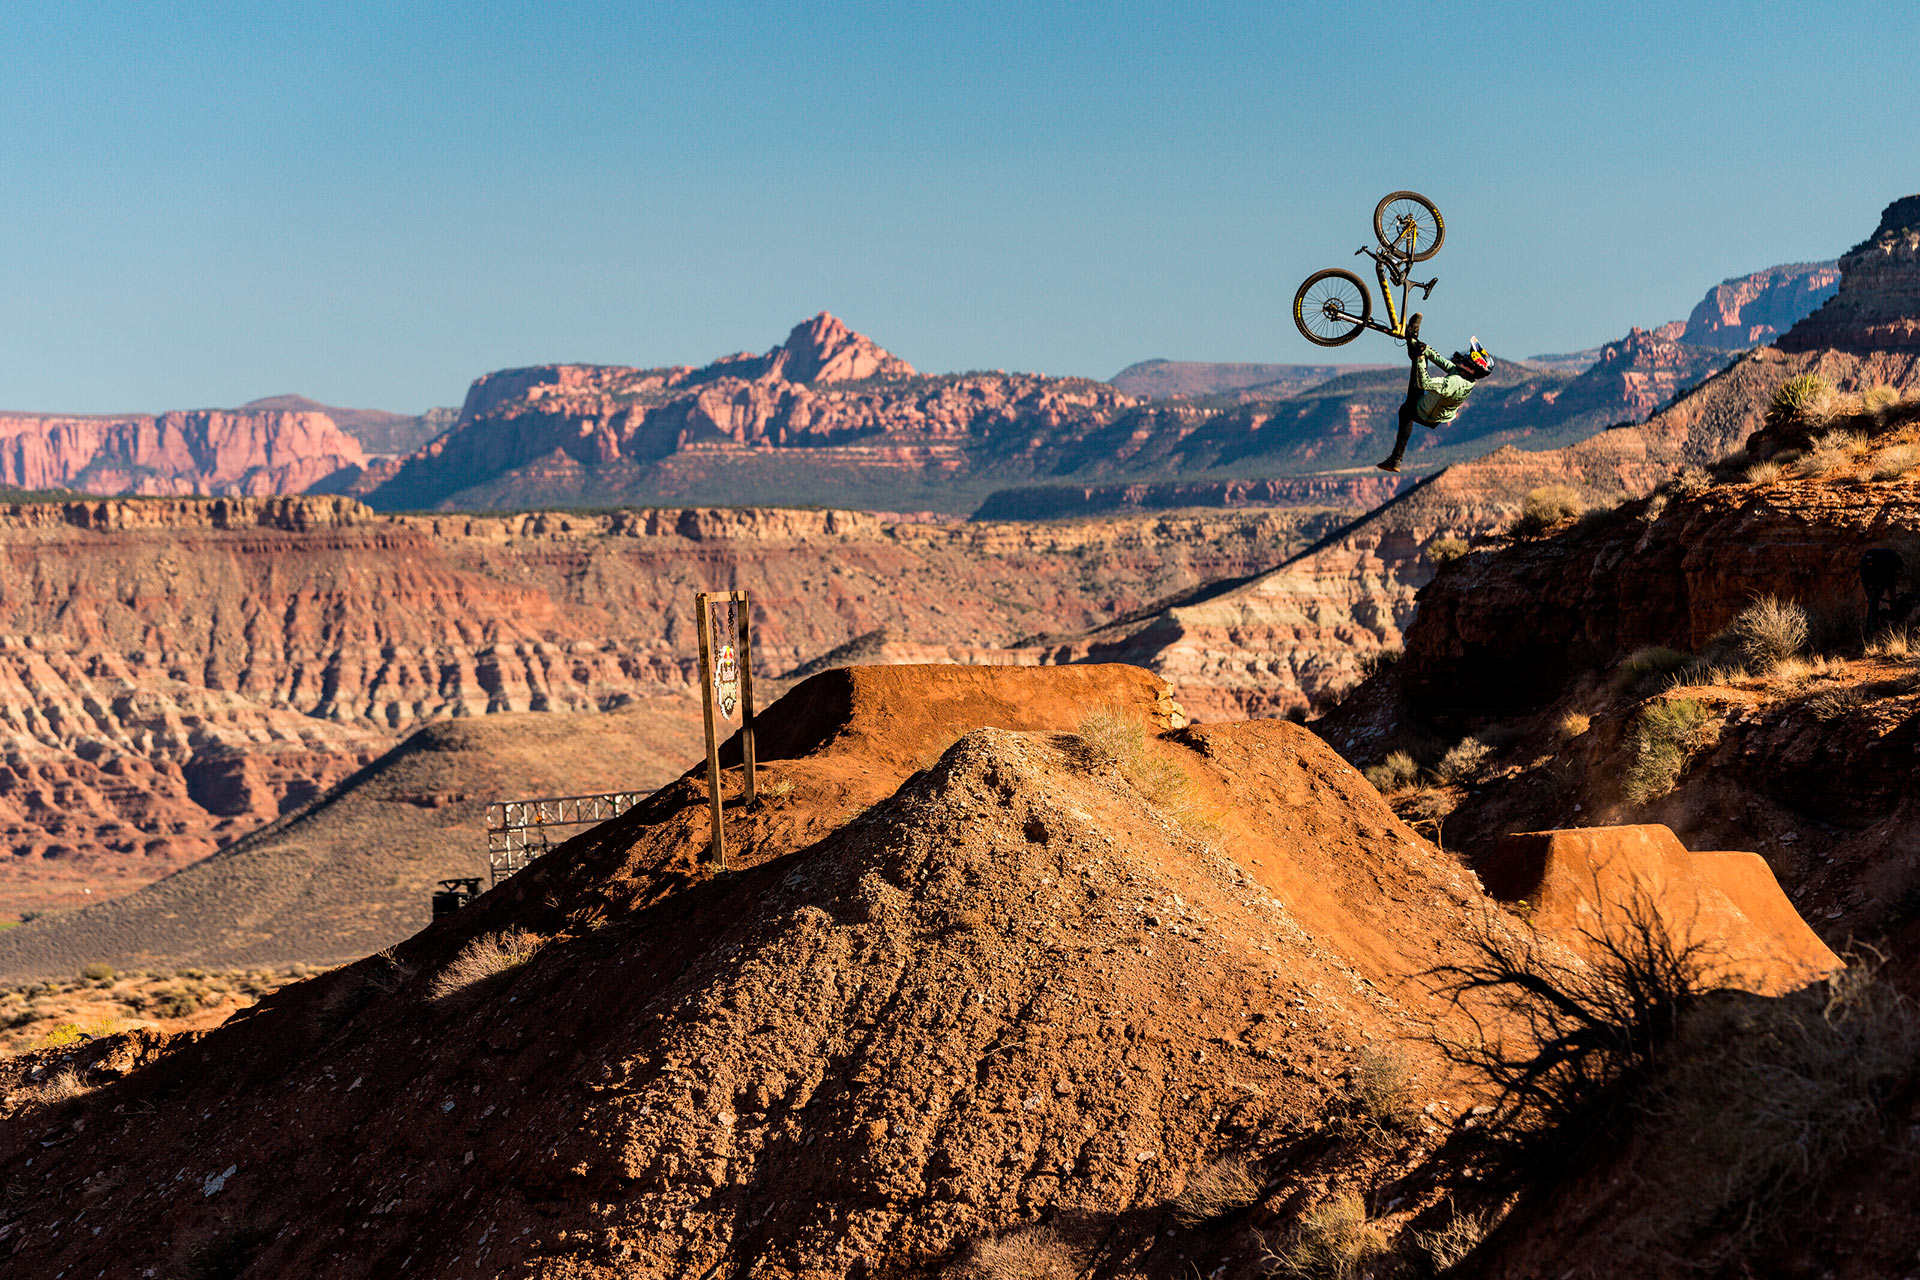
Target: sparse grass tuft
point(1573, 724)
point(1333, 1240)
point(1764, 472)
point(1644, 671)
point(1895, 461)
point(1665, 737)
point(62, 1086)
point(1768, 631)
point(1894, 642)
point(487, 956)
point(1835, 451)
point(1115, 738)
point(1214, 1190)
point(1446, 550)
point(1879, 398)
point(1545, 508)
point(1032, 1253)
point(1448, 1245)
point(1396, 773)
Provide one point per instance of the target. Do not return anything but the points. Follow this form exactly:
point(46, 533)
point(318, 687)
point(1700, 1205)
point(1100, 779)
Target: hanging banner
point(725, 630)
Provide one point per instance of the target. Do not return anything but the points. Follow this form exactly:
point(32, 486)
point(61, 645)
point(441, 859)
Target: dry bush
point(1757, 1102)
point(62, 1086)
point(1837, 702)
point(1767, 631)
point(1645, 671)
point(1894, 642)
point(1666, 734)
point(1446, 550)
point(97, 972)
point(1879, 398)
point(1374, 661)
point(1572, 724)
point(1463, 759)
point(1333, 1240)
point(1214, 1190)
point(1383, 1089)
point(486, 956)
point(1690, 480)
point(1424, 804)
point(1895, 461)
point(1032, 1253)
point(1447, 1246)
point(1546, 507)
point(1396, 773)
point(1565, 1041)
point(1835, 451)
point(1763, 472)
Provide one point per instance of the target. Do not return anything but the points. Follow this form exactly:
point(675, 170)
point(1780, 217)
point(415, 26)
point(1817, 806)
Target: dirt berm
point(968, 972)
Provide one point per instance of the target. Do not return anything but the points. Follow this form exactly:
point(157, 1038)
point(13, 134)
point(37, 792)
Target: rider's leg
point(1392, 462)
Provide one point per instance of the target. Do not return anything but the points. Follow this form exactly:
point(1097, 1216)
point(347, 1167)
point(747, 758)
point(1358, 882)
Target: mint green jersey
point(1440, 398)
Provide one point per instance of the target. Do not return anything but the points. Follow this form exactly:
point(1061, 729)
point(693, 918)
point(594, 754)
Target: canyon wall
point(174, 673)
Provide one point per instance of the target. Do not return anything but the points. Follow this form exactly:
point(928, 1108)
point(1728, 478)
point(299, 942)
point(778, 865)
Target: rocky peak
point(1747, 311)
point(1877, 307)
point(824, 349)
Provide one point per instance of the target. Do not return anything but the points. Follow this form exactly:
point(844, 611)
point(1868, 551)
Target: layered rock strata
point(207, 451)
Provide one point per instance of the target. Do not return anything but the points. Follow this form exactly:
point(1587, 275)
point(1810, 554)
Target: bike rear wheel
point(1401, 212)
point(1332, 307)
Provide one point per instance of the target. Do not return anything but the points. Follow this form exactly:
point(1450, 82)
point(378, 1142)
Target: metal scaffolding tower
point(518, 830)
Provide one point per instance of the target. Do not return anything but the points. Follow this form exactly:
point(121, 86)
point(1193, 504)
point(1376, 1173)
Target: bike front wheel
point(1332, 307)
point(1407, 219)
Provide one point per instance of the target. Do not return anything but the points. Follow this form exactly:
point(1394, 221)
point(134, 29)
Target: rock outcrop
point(1877, 306)
point(1753, 310)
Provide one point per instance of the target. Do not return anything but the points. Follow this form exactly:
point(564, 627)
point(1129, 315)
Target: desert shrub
point(1374, 661)
point(1835, 451)
point(1767, 631)
point(1396, 773)
point(1572, 724)
point(1894, 642)
point(1688, 481)
point(62, 1035)
point(1764, 472)
point(1879, 398)
point(1665, 736)
point(1031, 1253)
point(1757, 1102)
point(1446, 550)
point(1424, 804)
point(62, 1086)
point(1837, 702)
point(97, 972)
point(175, 1000)
point(1895, 461)
point(487, 956)
point(1463, 759)
point(1563, 1042)
point(1383, 1094)
point(1546, 507)
point(1798, 400)
point(1113, 737)
point(1646, 670)
point(1447, 1246)
point(1214, 1190)
point(1333, 1240)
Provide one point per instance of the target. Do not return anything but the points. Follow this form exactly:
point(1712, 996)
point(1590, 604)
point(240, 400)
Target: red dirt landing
point(1585, 883)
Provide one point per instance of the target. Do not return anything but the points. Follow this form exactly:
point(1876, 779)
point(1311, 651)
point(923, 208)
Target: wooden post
point(703, 606)
point(746, 693)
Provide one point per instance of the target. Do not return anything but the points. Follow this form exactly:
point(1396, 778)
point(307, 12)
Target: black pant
point(1414, 391)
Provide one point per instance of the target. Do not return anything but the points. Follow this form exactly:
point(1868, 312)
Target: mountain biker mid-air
point(1431, 401)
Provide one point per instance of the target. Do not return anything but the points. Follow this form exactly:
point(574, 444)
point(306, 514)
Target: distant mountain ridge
point(379, 432)
point(1168, 379)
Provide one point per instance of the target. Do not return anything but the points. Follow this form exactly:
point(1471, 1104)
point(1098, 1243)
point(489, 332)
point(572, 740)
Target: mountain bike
point(1333, 306)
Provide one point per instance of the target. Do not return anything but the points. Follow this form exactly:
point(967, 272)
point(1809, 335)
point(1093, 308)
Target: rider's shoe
point(1413, 331)
point(1391, 464)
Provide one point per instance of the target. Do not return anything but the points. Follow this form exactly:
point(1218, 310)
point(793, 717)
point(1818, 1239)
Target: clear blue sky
point(373, 203)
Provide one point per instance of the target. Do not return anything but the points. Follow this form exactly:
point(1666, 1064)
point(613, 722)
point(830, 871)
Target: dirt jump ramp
point(978, 962)
point(1591, 881)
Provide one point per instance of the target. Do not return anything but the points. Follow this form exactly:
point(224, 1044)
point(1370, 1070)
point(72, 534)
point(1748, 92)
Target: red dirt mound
point(1044, 975)
point(1586, 882)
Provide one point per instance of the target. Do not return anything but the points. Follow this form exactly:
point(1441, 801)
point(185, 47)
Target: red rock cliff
point(204, 451)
